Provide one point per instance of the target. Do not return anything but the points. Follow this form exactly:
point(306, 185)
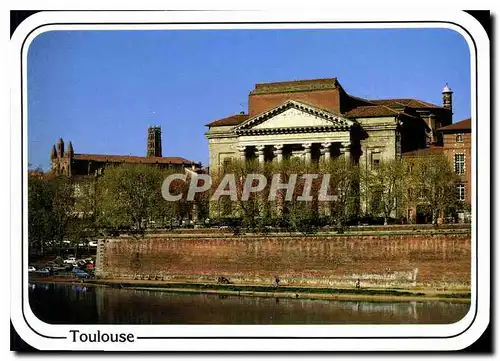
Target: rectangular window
point(460, 163)
point(461, 192)
point(226, 162)
point(460, 138)
point(375, 160)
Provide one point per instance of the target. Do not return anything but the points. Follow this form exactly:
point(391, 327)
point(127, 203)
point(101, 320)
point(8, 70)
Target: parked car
point(55, 266)
point(93, 243)
point(70, 260)
point(58, 268)
point(31, 269)
point(80, 273)
point(43, 271)
point(80, 264)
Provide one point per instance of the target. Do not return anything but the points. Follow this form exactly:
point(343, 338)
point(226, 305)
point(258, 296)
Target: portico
point(292, 129)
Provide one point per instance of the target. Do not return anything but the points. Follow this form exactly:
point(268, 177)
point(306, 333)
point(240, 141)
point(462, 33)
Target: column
point(325, 150)
point(260, 153)
point(278, 152)
point(307, 152)
point(346, 150)
point(241, 150)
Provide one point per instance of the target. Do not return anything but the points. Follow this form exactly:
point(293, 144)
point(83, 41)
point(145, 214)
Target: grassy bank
point(375, 294)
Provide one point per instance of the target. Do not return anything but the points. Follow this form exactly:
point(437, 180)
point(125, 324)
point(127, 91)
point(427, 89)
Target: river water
point(82, 304)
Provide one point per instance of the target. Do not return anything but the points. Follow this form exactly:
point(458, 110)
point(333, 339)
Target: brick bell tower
point(154, 141)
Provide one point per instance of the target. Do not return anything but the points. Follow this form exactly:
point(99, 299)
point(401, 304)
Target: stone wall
point(407, 260)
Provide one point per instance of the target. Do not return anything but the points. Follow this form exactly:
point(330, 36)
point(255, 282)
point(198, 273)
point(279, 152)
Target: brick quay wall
point(408, 260)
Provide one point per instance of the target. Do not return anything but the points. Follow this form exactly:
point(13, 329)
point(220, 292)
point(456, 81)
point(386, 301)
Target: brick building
point(457, 140)
point(73, 164)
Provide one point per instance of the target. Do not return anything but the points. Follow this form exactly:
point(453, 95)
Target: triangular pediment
point(293, 115)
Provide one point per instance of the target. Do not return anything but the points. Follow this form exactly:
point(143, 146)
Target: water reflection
point(83, 304)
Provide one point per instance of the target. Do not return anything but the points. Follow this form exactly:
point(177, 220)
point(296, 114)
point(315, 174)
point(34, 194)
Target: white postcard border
point(335, 337)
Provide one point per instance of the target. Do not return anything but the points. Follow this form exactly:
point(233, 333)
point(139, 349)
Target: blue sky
point(101, 89)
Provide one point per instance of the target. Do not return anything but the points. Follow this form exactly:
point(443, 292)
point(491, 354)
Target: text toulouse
point(101, 337)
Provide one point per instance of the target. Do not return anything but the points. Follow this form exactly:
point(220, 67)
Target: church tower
point(447, 97)
point(60, 148)
point(154, 141)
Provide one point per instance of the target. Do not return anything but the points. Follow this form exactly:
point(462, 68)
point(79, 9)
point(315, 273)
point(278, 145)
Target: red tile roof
point(359, 107)
point(231, 120)
point(133, 159)
point(423, 151)
point(461, 125)
point(411, 103)
point(371, 111)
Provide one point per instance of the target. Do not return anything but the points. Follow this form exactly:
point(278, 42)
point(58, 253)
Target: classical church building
point(318, 118)
point(72, 164)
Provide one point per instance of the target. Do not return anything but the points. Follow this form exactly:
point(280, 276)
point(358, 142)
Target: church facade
point(317, 119)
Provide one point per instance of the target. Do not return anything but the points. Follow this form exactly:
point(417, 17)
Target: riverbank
point(360, 294)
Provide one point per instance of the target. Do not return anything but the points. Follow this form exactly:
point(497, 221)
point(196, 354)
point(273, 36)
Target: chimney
point(447, 98)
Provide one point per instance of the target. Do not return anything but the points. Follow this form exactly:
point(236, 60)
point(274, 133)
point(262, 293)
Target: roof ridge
point(398, 100)
point(464, 124)
point(128, 156)
point(359, 98)
point(278, 83)
point(212, 123)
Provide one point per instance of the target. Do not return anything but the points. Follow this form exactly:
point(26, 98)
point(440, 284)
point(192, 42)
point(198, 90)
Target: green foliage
point(385, 187)
point(432, 184)
point(259, 213)
point(344, 182)
point(129, 197)
point(50, 210)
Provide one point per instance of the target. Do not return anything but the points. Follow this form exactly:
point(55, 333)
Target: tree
point(249, 209)
point(50, 209)
point(40, 220)
point(387, 185)
point(344, 180)
point(296, 213)
point(129, 196)
point(432, 184)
